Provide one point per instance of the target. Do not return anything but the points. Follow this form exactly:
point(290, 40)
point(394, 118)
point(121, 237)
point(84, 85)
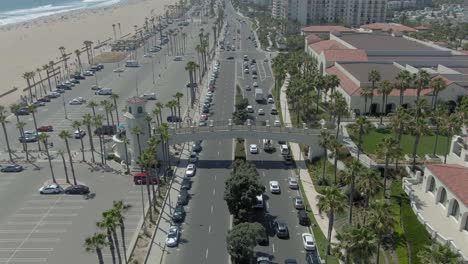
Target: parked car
point(186, 183)
point(298, 203)
point(172, 239)
point(96, 87)
point(287, 159)
point(79, 134)
point(22, 111)
point(308, 241)
point(303, 218)
point(196, 146)
point(253, 149)
point(106, 130)
point(263, 260)
point(193, 157)
point(77, 189)
point(281, 229)
point(149, 96)
point(47, 128)
point(173, 119)
point(11, 168)
point(183, 197)
point(39, 103)
point(179, 214)
point(52, 188)
point(141, 178)
point(274, 187)
point(190, 171)
point(75, 101)
point(292, 181)
point(44, 99)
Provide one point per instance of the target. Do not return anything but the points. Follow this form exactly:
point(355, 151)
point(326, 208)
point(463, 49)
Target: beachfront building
point(348, 12)
point(135, 117)
point(459, 149)
point(439, 198)
point(352, 55)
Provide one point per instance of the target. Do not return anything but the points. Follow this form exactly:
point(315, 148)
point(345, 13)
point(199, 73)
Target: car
point(148, 55)
point(203, 117)
point(75, 101)
point(44, 99)
point(230, 58)
point(186, 183)
point(254, 61)
point(28, 136)
point(308, 241)
point(179, 214)
point(75, 81)
point(193, 157)
point(281, 229)
point(249, 109)
point(196, 146)
point(263, 260)
point(205, 110)
point(11, 168)
point(246, 71)
point(59, 91)
point(261, 111)
point(191, 170)
point(77, 189)
point(53, 95)
point(79, 134)
point(47, 128)
point(22, 111)
point(210, 94)
point(254, 76)
point(96, 87)
point(288, 159)
point(178, 58)
point(255, 84)
point(270, 100)
point(39, 103)
point(202, 123)
point(298, 203)
point(149, 96)
point(108, 130)
point(100, 66)
point(183, 197)
point(292, 182)
point(79, 77)
point(290, 261)
point(253, 148)
point(119, 70)
point(88, 73)
point(52, 188)
point(274, 111)
point(247, 88)
point(274, 187)
point(265, 60)
point(173, 119)
point(277, 123)
point(172, 239)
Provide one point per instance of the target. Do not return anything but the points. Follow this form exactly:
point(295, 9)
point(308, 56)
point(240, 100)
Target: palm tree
point(98, 123)
point(439, 254)
point(146, 161)
point(325, 139)
point(43, 137)
point(4, 121)
point(41, 84)
point(421, 81)
point(109, 107)
point(96, 243)
point(373, 77)
point(115, 97)
point(364, 125)
point(105, 104)
point(381, 219)
point(335, 147)
point(20, 125)
point(399, 124)
point(339, 109)
point(357, 244)
point(33, 109)
point(89, 51)
point(120, 209)
point(148, 120)
point(46, 68)
point(403, 82)
point(418, 127)
point(354, 168)
point(88, 121)
point(61, 153)
point(367, 92)
point(126, 141)
point(332, 201)
point(385, 87)
point(190, 68)
point(178, 96)
point(77, 126)
point(369, 183)
point(27, 76)
point(438, 117)
point(451, 127)
point(331, 82)
point(387, 149)
point(78, 56)
point(136, 130)
point(163, 131)
point(437, 85)
point(108, 223)
point(92, 104)
point(65, 135)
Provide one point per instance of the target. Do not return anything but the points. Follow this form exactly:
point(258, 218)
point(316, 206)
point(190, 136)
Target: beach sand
point(28, 46)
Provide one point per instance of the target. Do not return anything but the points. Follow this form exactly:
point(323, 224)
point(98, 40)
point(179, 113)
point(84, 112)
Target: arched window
point(455, 210)
point(465, 226)
point(140, 110)
point(130, 109)
point(443, 196)
point(431, 185)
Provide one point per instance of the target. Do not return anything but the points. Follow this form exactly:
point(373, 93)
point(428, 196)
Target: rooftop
point(346, 83)
point(383, 42)
point(388, 27)
point(345, 55)
point(326, 45)
point(434, 60)
point(455, 177)
point(136, 100)
point(312, 38)
point(360, 71)
point(325, 29)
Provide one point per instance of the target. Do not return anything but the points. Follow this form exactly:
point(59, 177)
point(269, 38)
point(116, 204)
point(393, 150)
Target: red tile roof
point(312, 38)
point(446, 80)
point(345, 55)
point(326, 45)
point(325, 29)
point(388, 26)
point(136, 100)
point(455, 177)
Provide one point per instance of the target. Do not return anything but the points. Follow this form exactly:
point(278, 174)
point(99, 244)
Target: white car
point(277, 123)
point(250, 109)
point(190, 171)
point(247, 88)
point(308, 241)
point(274, 187)
point(209, 94)
point(293, 183)
point(79, 134)
point(149, 96)
point(77, 101)
point(253, 149)
point(270, 100)
point(172, 238)
point(52, 188)
point(255, 84)
point(261, 112)
point(246, 71)
point(147, 56)
point(118, 70)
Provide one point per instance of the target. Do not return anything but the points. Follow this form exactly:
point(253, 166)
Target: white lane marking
point(211, 209)
point(209, 229)
point(215, 177)
point(27, 249)
point(267, 205)
point(263, 173)
point(218, 153)
point(273, 247)
point(214, 192)
point(206, 254)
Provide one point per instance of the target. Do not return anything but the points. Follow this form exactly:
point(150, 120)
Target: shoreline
point(32, 44)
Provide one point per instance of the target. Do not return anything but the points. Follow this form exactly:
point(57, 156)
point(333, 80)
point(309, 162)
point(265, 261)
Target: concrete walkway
point(306, 180)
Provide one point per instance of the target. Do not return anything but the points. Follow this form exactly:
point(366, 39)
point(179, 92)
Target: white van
point(259, 203)
point(104, 91)
point(284, 149)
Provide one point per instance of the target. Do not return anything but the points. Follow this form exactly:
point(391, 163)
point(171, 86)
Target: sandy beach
point(28, 46)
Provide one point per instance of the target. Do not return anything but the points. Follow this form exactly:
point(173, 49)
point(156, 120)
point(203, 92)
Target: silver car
point(298, 203)
point(293, 183)
point(172, 239)
point(50, 189)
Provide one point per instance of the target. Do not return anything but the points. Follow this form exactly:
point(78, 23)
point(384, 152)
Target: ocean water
point(15, 11)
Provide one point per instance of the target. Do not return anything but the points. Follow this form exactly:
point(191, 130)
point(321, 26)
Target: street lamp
point(64, 106)
point(152, 67)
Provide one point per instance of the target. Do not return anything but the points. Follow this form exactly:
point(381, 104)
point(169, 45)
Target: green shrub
point(239, 152)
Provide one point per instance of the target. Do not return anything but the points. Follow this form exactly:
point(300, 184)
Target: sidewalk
point(306, 180)
point(352, 147)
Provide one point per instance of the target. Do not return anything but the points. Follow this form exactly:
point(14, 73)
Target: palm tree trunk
point(139, 144)
point(351, 198)
point(335, 165)
point(71, 161)
point(116, 241)
point(148, 191)
point(91, 143)
point(35, 126)
point(111, 245)
point(102, 149)
point(122, 235)
point(330, 228)
point(149, 128)
point(324, 164)
point(7, 141)
point(50, 162)
point(65, 167)
point(436, 141)
point(127, 162)
point(447, 149)
point(112, 118)
point(435, 101)
point(365, 104)
point(385, 177)
point(107, 118)
point(116, 112)
point(382, 109)
point(415, 150)
point(82, 147)
point(378, 251)
point(99, 255)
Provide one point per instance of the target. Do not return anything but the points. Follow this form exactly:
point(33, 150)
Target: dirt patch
point(110, 57)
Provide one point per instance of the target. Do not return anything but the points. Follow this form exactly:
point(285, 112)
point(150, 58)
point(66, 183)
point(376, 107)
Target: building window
point(455, 210)
point(431, 185)
point(140, 110)
point(442, 196)
point(130, 109)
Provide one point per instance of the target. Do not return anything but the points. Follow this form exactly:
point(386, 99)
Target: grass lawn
point(426, 143)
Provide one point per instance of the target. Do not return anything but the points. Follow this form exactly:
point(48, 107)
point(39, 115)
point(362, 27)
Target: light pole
point(136, 82)
point(95, 75)
point(64, 106)
point(152, 67)
point(143, 207)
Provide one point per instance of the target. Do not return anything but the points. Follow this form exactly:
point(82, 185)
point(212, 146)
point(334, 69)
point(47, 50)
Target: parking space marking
point(27, 249)
point(47, 214)
point(23, 260)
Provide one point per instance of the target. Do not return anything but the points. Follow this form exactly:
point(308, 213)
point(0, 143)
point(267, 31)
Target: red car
point(44, 99)
point(140, 178)
point(45, 129)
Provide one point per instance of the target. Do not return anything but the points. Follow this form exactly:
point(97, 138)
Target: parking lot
point(38, 228)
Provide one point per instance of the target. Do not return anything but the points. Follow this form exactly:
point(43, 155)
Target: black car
point(106, 130)
point(196, 147)
point(77, 189)
point(79, 77)
point(22, 111)
point(230, 58)
point(274, 111)
point(11, 168)
point(75, 81)
point(206, 110)
point(183, 197)
point(312, 257)
point(173, 119)
point(179, 214)
point(186, 184)
point(281, 229)
point(287, 159)
point(254, 61)
point(303, 218)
